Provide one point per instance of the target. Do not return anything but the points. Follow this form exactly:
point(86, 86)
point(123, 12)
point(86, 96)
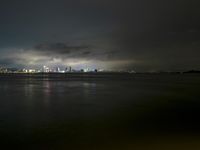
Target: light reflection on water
point(87, 111)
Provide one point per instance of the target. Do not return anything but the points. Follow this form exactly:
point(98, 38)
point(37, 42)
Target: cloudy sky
point(144, 35)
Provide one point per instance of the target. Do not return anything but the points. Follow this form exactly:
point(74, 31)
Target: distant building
point(57, 69)
point(46, 69)
point(87, 70)
point(3, 70)
point(68, 69)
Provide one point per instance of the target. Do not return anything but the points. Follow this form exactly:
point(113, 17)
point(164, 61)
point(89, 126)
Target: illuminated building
point(46, 69)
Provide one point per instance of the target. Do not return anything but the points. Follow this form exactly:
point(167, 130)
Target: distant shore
point(96, 73)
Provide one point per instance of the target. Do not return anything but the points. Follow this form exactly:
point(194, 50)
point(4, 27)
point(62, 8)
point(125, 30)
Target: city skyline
point(47, 69)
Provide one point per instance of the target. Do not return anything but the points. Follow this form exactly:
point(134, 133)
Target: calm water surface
point(97, 113)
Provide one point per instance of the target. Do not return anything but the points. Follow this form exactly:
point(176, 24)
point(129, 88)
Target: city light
point(46, 69)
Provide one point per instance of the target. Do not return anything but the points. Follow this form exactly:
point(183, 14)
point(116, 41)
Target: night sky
point(144, 35)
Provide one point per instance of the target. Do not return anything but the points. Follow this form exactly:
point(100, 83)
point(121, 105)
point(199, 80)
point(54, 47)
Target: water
point(97, 112)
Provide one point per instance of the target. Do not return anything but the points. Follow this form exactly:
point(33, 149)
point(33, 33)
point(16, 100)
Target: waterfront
point(97, 112)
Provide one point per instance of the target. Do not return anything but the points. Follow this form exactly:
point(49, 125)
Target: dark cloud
point(64, 51)
point(86, 53)
point(59, 48)
point(160, 34)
